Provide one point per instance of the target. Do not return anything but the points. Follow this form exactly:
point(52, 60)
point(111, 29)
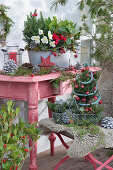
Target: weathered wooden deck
point(47, 162)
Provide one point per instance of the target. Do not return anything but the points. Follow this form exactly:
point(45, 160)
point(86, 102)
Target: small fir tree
point(86, 93)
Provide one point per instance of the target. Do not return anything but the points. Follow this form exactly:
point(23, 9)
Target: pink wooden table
point(32, 89)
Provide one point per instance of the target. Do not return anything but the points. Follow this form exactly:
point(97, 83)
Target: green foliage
point(44, 70)
point(5, 20)
point(64, 77)
point(66, 28)
point(14, 137)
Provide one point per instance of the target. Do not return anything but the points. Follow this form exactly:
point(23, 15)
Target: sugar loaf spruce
point(87, 95)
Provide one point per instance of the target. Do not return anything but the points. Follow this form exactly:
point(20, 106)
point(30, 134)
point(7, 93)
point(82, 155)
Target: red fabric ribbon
point(12, 55)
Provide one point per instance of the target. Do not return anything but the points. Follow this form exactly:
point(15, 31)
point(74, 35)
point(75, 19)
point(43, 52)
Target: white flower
point(40, 32)
point(50, 35)
point(36, 39)
point(52, 44)
point(44, 40)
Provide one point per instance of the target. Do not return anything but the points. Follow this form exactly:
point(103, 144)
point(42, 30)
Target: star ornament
point(46, 62)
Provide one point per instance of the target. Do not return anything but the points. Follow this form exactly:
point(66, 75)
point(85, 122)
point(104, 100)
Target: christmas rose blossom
point(44, 40)
point(36, 39)
point(50, 35)
point(40, 32)
point(52, 44)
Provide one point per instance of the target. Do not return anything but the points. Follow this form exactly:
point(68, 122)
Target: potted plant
point(101, 15)
point(46, 36)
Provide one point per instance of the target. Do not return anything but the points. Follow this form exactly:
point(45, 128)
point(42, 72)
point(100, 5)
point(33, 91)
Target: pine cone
point(32, 45)
point(9, 67)
point(107, 122)
point(27, 66)
point(35, 69)
point(78, 66)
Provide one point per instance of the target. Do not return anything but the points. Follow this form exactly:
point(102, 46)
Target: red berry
point(87, 75)
point(87, 92)
point(73, 81)
point(23, 136)
point(26, 150)
point(95, 97)
point(61, 51)
point(82, 86)
point(75, 56)
point(11, 167)
point(54, 54)
point(95, 88)
point(90, 109)
point(5, 146)
point(11, 135)
point(77, 98)
point(100, 102)
point(32, 75)
point(64, 38)
point(76, 86)
point(0, 116)
point(83, 99)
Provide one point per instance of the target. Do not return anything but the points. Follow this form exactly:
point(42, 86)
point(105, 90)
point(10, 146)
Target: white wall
point(18, 12)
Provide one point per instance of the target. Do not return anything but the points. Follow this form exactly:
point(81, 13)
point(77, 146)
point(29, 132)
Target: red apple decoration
point(76, 86)
point(87, 75)
point(83, 99)
point(95, 88)
point(87, 92)
point(90, 109)
point(82, 86)
point(100, 102)
point(77, 98)
point(95, 97)
point(87, 109)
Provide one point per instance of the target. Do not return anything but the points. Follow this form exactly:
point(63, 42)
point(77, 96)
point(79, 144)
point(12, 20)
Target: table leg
point(33, 117)
point(52, 137)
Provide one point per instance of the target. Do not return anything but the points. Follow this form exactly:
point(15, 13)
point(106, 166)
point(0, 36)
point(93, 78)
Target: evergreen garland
point(5, 20)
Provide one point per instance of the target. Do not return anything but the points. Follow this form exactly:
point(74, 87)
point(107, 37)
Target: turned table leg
point(33, 117)
point(52, 137)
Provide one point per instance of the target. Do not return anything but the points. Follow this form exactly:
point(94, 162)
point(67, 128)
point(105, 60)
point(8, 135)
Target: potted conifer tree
point(46, 36)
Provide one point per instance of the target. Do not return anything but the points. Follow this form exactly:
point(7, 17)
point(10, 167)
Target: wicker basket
point(77, 118)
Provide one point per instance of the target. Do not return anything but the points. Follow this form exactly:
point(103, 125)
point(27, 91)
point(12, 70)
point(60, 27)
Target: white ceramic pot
point(62, 60)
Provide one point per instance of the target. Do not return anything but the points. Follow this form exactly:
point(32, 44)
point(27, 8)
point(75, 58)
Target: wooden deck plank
point(47, 162)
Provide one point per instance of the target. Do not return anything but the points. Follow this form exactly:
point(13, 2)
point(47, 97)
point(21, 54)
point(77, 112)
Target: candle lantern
point(13, 52)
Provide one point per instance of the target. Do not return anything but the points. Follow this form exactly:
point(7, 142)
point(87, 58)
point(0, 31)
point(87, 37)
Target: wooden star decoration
point(46, 62)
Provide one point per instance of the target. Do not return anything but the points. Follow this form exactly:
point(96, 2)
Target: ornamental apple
point(83, 99)
point(76, 86)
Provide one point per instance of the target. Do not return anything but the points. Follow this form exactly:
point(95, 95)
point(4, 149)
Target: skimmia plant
point(14, 137)
point(101, 15)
